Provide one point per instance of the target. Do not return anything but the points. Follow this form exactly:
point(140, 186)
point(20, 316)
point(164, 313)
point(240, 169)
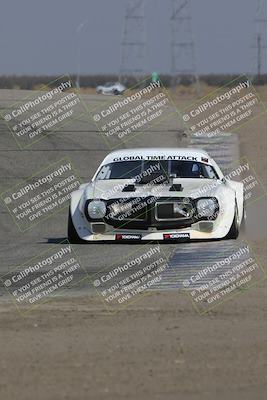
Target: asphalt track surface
point(82, 143)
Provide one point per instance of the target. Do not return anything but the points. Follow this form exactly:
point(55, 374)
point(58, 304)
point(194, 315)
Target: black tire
point(243, 222)
point(73, 236)
point(234, 231)
point(116, 92)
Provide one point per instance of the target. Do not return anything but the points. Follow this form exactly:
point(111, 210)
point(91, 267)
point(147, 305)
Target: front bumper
point(184, 236)
point(195, 232)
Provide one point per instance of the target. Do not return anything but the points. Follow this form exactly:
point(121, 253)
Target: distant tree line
point(29, 82)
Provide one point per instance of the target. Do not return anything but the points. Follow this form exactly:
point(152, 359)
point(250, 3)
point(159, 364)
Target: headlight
point(207, 208)
point(96, 209)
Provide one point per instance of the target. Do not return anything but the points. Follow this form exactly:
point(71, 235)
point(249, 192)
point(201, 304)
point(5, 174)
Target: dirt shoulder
point(158, 348)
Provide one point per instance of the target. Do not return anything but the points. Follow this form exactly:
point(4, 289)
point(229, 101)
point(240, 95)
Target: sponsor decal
point(156, 157)
point(128, 237)
point(176, 236)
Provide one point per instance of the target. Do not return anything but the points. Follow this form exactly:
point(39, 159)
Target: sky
point(40, 36)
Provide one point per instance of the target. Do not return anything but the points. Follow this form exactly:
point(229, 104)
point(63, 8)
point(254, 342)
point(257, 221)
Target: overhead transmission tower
point(260, 42)
point(182, 43)
point(133, 46)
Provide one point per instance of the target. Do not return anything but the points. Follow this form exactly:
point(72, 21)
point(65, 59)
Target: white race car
point(158, 194)
point(111, 88)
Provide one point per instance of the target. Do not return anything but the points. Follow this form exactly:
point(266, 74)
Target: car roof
point(156, 151)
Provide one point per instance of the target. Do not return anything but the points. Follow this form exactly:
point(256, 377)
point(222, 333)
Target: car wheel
point(234, 231)
point(72, 234)
point(116, 92)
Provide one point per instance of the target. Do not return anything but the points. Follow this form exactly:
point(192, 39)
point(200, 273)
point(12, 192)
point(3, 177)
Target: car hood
point(113, 189)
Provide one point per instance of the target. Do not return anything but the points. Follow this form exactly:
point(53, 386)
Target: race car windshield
point(171, 168)
point(192, 169)
point(120, 170)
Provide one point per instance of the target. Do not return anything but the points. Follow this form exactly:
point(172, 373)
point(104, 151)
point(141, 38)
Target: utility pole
point(78, 43)
point(182, 43)
point(133, 46)
point(259, 46)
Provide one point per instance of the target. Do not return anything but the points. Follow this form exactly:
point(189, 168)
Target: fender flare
point(238, 187)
